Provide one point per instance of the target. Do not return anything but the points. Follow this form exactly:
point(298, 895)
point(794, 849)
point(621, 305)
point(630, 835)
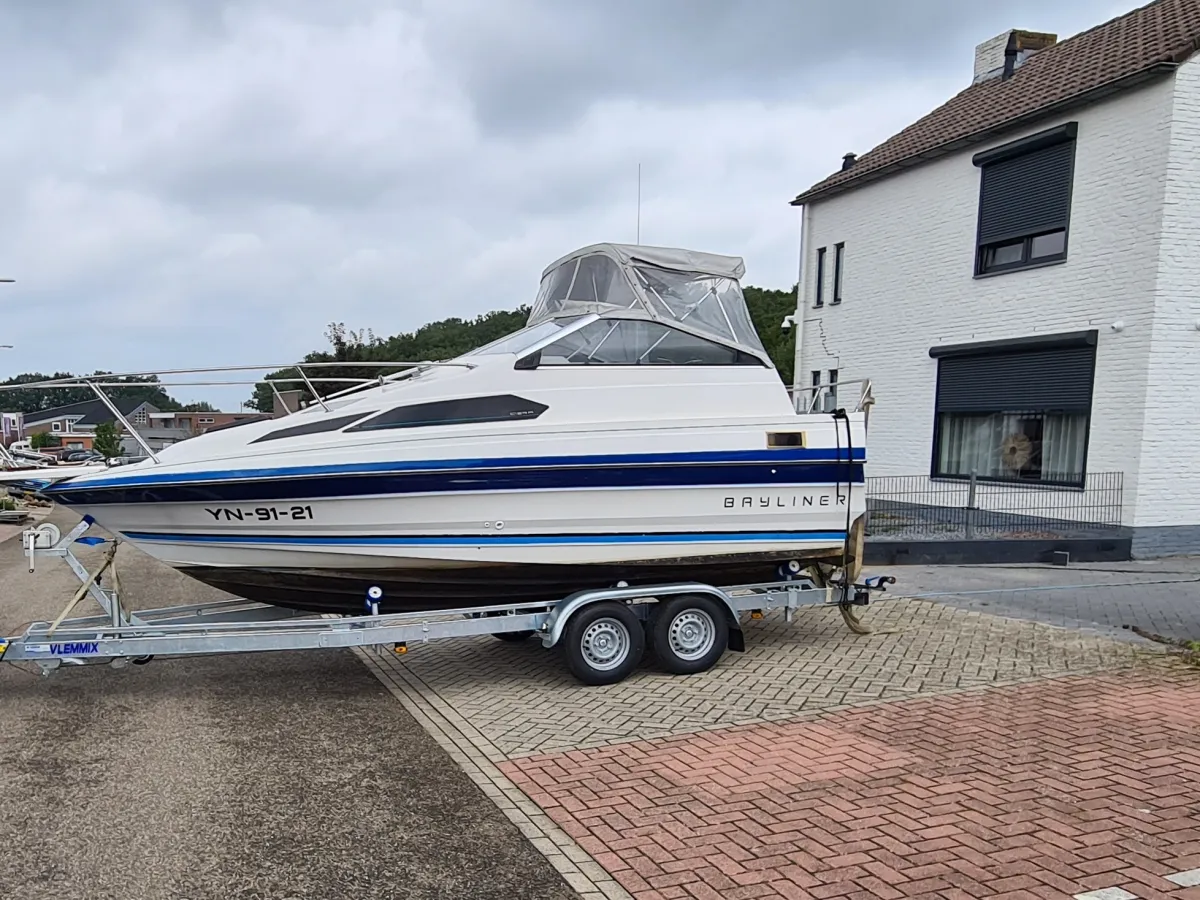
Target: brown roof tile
point(1118, 54)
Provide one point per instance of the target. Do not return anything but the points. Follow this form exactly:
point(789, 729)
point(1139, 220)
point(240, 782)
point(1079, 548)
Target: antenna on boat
point(639, 206)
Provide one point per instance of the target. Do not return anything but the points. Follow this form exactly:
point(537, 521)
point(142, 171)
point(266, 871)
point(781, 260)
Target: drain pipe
point(798, 316)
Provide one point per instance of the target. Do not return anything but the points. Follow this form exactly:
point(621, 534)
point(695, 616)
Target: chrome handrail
point(83, 380)
point(830, 388)
point(98, 386)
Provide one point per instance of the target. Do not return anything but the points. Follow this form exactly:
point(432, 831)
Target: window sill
point(836, 303)
point(1022, 268)
point(1074, 487)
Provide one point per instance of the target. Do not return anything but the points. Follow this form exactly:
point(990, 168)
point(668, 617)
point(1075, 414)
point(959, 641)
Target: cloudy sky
point(197, 182)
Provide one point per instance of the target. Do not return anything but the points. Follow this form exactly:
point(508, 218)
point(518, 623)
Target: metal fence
point(907, 507)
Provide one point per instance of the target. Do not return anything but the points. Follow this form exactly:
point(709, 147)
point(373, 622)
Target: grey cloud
point(530, 64)
point(196, 182)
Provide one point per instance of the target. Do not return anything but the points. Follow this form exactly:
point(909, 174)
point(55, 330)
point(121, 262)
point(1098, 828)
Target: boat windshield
point(522, 340)
point(699, 293)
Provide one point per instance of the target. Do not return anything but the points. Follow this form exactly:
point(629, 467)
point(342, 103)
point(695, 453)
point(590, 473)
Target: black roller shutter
point(1034, 380)
point(1026, 195)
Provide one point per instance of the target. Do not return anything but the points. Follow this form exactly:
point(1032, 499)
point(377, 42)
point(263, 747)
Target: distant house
point(75, 425)
point(1017, 273)
point(199, 422)
point(163, 428)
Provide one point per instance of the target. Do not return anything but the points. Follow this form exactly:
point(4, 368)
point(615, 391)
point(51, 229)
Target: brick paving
point(1037, 790)
point(522, 701)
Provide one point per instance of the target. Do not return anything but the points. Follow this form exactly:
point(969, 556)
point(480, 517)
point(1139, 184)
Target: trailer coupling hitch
point(861, 595)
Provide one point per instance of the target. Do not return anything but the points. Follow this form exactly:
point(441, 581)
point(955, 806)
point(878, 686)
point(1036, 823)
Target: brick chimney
point(290, 403)
point(1003, 54)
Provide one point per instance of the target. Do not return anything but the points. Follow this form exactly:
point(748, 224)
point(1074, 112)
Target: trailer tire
point(689, 634)
point(603, 642)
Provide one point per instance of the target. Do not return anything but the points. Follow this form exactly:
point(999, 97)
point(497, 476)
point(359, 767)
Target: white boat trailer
point(602, 633)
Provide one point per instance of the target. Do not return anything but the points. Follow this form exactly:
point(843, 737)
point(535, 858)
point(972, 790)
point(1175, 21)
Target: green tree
point(430, 343)
point(767, 311)
point(107, 441)
point(42, 440)
point(143, 388)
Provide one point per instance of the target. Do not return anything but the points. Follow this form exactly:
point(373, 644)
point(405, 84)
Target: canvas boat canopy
point(699, 293)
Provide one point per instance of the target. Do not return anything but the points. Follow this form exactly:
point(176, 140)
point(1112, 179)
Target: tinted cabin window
point(334, 424)
point(465, 411)
point(636, 342)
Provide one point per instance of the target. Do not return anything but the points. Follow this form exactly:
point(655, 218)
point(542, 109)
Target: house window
point(140, 418)
point(833, 379)
point(202, 421)
point(1025, 201)
point(839, 253)
point(1015, 411)
point(56, 426)
point(820, 277)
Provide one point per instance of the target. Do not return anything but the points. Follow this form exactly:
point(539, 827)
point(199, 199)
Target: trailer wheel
point(689, 634)
point(603, 642)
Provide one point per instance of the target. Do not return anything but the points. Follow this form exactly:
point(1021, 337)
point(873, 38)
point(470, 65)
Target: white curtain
point(1063, 441)
point(976, 443)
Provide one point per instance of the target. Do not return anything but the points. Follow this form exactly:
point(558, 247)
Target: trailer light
point(400, 649)
point(756, 613)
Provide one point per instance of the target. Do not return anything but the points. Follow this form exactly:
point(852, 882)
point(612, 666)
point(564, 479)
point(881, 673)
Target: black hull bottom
point(408, 590)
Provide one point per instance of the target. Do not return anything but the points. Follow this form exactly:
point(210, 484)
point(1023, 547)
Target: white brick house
point(1019, 274)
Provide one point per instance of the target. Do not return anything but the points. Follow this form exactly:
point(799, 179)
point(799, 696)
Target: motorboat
point(38, 466)
point(633, 432)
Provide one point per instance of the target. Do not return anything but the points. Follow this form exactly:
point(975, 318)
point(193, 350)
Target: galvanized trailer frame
point(119, 636)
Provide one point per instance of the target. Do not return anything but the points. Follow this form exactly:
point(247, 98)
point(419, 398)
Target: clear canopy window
point(698, 293)
point(520, 341)
point(635, 342)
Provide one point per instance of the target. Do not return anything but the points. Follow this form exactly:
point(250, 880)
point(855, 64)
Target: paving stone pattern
point(522, 700)
point(1047, 789)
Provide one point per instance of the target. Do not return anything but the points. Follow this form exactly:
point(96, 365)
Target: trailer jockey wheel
point(689, 634)
point(603, 642)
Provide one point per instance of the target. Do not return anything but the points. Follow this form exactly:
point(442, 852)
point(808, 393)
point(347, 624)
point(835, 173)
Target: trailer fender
point(563, 611)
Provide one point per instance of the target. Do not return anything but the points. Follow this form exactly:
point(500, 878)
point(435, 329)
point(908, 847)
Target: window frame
point(999, 347)
point(839, 264)
point(1066, 133)
point(935, 475)
point(820, 296)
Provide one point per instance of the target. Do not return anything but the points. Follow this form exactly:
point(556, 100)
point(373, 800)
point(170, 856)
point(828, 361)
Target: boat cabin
point(622, 305)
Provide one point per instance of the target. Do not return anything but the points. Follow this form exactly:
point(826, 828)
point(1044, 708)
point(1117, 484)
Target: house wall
point(1168, 501)
point(909, 284)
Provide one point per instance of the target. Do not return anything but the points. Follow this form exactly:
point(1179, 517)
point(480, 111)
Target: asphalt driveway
point(267, 775)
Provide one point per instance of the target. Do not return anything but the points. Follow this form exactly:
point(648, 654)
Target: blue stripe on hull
point(483, 540)
point(789, 454)
point(779, 473)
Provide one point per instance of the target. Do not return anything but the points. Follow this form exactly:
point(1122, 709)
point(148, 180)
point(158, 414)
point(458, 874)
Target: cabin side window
point(635, 342)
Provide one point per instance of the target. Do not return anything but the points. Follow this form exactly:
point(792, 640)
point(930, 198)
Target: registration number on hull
point(259, 513)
